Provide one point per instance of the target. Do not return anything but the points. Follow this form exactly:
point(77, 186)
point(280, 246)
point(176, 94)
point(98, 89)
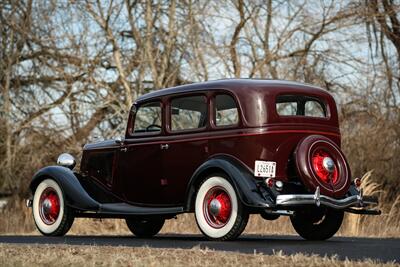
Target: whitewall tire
point(219, 213)
point(51, 214)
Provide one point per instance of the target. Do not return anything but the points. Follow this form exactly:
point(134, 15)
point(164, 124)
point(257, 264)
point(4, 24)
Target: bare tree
point(71, 70)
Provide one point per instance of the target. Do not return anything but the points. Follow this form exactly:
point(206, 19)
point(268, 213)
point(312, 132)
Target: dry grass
point(22, 255)
point(385, 225)
point(18, 220)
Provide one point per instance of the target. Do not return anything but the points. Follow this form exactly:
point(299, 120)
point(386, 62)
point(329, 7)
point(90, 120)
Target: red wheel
point(320, 162)
point(220, 215)
point(217, 207)
point(49, 206)
point(50, 213)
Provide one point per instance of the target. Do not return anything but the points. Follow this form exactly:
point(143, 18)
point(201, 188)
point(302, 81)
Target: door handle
point(164, 146)
point(124, 149)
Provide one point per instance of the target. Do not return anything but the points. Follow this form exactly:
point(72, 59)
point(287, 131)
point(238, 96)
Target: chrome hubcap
point(328, 164)
point(215, 207)
point(46, 206)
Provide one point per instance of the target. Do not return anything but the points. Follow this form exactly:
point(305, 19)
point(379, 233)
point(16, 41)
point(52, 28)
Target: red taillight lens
point(357, 182)
point(320, 170)
point(270, 182)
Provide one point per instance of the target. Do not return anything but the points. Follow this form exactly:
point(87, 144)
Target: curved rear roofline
point(236, 86)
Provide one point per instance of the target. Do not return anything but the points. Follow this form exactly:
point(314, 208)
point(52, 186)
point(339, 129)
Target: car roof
point(255, 98)
point(238, 87)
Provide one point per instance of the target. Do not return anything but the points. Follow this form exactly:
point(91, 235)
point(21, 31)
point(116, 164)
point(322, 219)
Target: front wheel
point(219, 213)
point(145, 228)
point(317, 223)
point(51, 214)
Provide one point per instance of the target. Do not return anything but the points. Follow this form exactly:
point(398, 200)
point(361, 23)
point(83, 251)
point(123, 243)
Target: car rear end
point(312, 180)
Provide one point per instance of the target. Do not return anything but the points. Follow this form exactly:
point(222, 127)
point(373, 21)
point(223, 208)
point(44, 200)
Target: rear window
point(298, 105)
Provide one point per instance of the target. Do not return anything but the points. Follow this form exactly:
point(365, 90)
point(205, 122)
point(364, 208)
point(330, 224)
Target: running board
point(126, 209)
point(120, 210)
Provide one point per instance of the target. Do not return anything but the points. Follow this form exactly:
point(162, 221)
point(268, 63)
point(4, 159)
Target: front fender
point(241, 178)
point(75, 196)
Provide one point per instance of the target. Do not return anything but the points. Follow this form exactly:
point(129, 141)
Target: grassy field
point(22, 255)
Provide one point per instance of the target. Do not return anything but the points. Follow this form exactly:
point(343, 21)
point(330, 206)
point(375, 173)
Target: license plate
point(265, 168)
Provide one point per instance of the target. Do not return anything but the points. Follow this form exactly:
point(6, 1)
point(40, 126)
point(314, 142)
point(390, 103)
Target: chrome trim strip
point(318, 199)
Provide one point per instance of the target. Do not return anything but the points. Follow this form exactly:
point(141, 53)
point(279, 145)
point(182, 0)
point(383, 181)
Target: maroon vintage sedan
point(223, 150)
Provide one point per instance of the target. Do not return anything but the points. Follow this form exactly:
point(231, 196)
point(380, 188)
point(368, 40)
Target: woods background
point(70, 70)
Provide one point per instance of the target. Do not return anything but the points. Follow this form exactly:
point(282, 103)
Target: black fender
point(75, 195)
point(249, 192)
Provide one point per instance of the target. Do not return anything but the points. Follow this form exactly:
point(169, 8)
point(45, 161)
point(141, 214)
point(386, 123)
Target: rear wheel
point(219, 213)
point(317, 223)
point(50, 213)
point(145, 228)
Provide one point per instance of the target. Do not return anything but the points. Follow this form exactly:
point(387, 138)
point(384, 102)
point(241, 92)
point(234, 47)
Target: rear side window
point(226, 112)
point(188, 113)
point(313, 108)
point(298, 105)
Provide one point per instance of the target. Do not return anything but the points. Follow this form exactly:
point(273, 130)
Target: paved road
point(344, 247)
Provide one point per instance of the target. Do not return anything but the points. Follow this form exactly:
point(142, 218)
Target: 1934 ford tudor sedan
point(223, 150)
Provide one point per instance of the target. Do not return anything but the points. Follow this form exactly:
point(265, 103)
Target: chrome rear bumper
point(318, 200)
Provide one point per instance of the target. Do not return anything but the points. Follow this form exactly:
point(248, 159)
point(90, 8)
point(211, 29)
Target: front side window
point(300, 105)
point(148, 118)
point(188, 113)
point(226, 112)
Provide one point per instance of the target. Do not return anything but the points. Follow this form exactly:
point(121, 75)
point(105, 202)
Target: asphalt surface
point(383, 250)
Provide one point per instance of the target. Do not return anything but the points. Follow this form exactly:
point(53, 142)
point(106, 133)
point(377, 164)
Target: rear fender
point(75, 195)
point(241, 177)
